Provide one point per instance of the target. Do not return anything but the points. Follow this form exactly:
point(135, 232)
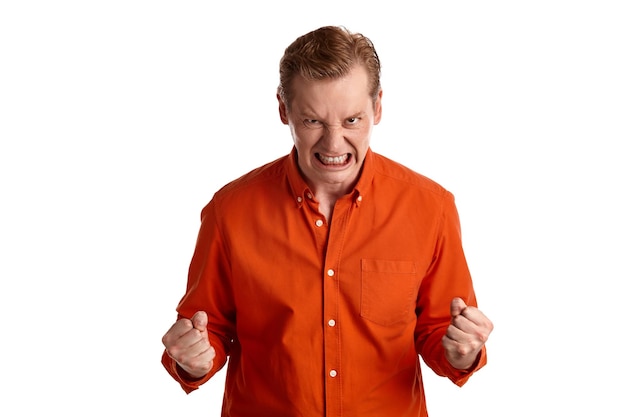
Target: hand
point(187, 342)
point(467, 333)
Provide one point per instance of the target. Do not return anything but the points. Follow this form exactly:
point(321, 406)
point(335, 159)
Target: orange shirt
point(327, 321)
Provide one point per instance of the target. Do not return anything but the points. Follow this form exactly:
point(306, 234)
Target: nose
point(333, 136)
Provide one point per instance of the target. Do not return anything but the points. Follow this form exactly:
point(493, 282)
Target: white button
point(332, 373)
point(309, 195)
point(299, 199)
point(331, 323)
point(330, 272)
point(319, 223)
point(359, 198)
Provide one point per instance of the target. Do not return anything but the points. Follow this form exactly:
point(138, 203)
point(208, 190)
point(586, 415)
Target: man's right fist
point(187, 342)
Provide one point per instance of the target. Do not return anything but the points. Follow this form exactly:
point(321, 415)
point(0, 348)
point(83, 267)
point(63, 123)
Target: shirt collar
point(367, 175)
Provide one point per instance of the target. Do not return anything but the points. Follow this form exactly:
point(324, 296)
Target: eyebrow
point(311, 115)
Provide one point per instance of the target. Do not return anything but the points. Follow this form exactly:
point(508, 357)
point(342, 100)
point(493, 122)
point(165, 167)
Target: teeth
point(333, 160)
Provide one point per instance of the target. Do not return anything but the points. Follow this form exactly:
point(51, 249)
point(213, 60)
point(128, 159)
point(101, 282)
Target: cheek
point(362, 144)
point(294, 134)
point(305, 137)
point(299, 137)
point(362, 136)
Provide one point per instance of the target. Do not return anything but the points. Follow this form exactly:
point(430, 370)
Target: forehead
point(349, 93)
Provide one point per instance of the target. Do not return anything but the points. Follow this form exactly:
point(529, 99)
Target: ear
point(282, 110)
point(378, 109)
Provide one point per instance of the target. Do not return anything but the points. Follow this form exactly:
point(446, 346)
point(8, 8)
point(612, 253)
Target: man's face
point(331, 122)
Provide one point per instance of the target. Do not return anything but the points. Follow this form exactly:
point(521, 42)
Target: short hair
point(329, 52)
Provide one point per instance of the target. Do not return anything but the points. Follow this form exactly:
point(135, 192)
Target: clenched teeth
point(333, 160)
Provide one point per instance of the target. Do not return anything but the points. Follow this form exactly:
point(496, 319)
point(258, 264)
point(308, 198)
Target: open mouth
point(333, 160)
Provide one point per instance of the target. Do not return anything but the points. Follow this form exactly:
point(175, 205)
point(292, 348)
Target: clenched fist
point(187, 342)
point(467, 333)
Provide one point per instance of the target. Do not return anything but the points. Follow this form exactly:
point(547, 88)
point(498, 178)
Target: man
point(322, 276)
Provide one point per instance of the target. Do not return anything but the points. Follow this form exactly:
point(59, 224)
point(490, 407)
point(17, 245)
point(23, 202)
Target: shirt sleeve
point(186, 383)
point(208, 290)
point(447, 277)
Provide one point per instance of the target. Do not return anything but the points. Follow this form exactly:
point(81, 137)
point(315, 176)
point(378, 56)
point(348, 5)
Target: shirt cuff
point(461, 376)
point(187, 383)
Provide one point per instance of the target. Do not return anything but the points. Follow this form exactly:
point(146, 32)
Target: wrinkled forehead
point(350, 90)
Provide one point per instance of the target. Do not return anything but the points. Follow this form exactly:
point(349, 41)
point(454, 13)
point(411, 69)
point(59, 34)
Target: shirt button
point(309, 195)
point(319, 223)
point(331, 323)
point(332, 373)
point(330, 272)
point(359, 198)
point(299, 199)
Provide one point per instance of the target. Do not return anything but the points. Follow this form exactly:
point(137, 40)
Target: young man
point(322, 276)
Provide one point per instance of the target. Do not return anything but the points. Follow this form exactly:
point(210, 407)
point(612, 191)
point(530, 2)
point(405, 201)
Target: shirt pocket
point(388, 291)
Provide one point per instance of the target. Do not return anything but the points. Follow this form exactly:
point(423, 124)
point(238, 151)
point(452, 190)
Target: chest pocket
point(388, 291)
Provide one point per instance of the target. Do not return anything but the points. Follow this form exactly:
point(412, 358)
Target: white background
point(120, 119)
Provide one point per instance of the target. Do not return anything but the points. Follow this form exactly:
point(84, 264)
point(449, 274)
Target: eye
point(312, 123)
point(352, 121)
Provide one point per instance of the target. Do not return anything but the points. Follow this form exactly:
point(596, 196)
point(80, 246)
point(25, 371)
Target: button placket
point(332, 303)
